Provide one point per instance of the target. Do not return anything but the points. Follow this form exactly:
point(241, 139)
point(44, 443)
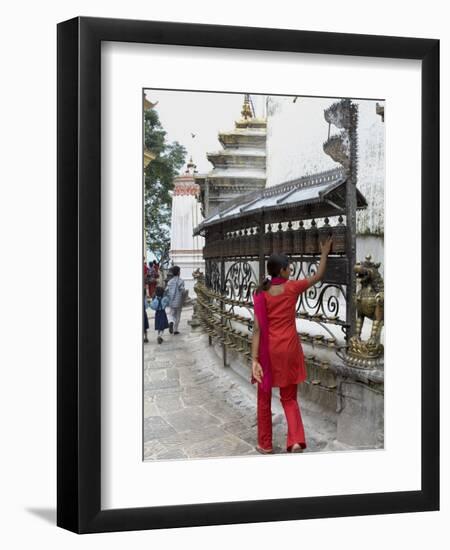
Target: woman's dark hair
point(275, 264)
point(176, 270)
point(159, 292)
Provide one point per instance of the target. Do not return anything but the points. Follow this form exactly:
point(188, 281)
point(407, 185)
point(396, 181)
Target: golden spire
point(246, 108)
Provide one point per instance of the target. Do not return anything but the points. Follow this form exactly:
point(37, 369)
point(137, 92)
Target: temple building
point(240, 166)
point(185, 249)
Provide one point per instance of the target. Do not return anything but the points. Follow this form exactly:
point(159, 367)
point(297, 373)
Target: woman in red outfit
point(277, 355)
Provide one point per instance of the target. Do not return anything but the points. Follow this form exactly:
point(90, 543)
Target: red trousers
point(288, 398)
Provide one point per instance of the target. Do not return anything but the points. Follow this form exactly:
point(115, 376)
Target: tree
point(159, 176)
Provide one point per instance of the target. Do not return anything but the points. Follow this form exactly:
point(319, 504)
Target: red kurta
point(286, 353)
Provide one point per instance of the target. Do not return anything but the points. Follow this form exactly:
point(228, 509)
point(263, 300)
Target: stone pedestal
point(360, 419)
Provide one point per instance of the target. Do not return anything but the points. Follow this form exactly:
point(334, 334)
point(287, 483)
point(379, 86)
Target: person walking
point(277, 354)
point(159, 304)
point(146, 325)
point(176, 294)
point(152, 279)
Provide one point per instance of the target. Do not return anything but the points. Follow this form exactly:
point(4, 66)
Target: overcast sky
point(201, 113)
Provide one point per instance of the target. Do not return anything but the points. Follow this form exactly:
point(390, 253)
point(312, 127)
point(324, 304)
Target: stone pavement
point(196, 408)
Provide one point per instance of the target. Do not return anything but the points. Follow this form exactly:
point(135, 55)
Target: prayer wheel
point(299, 240)
point(324, 232)
point(278, 240)
point(288, 240)
point(339, 238)
point(268, 241)
point(312, 239)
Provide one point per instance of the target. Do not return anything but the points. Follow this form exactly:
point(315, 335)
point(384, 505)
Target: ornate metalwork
point(212, 275)
point(320, 302)
point(217, 320)
point(379, 109)
point(199, 278)
point(240, 281)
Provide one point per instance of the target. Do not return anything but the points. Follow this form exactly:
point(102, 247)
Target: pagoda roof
point(246, 131)
point(237, 172)
point(247, 152)
point(251, 123)
point(316, 195)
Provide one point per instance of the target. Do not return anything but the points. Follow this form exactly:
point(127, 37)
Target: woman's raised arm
point(325, 250)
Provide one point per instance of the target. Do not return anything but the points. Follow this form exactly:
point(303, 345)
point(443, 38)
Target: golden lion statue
point(370, 304)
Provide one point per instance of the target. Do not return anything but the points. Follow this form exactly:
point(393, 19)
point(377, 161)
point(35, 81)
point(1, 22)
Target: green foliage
point(159, 176)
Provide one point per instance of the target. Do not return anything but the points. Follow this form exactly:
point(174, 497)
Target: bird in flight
point(193, 135)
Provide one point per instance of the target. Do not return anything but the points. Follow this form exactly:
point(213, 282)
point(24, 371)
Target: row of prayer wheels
point(224, 334)
point(289, 241)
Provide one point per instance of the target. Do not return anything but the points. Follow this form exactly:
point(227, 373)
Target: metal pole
point(350, 205)
point(262, 262)
point(208, 285)
point(222, 305)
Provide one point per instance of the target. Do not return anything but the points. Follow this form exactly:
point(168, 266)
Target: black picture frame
point(79, 281)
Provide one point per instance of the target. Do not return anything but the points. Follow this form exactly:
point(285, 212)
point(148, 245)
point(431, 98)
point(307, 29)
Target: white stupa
point(185, 249)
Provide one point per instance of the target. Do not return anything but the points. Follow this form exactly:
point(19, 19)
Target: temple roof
point(246, 153)
point(237, 172)
point(316, 195)
point(243, 137)
point(254, 122)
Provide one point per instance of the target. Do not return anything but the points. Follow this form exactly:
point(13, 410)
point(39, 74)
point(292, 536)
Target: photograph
point(213, 361)
point(263, 274)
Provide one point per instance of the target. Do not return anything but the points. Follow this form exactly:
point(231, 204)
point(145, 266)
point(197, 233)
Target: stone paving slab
point(191, 437)
point(155, 427)
point(167, 403)
point(153, 448)
point(195, 396)
point(229, 445)
point(191, 418)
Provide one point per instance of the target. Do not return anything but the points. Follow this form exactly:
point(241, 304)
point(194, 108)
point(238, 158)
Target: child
point(159, 304)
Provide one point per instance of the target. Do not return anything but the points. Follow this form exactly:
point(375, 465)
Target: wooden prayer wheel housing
point(273, 220)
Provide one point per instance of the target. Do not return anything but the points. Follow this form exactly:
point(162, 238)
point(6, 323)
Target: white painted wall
point(296, 132)
point(371, 168)
point(185, 249)
point(295, 136)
